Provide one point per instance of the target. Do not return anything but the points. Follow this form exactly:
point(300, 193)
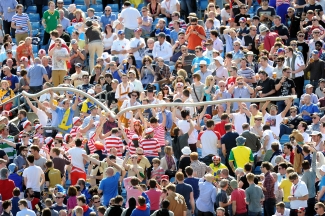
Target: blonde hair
point(208, 80)
point(6, 82)
point(168, 150)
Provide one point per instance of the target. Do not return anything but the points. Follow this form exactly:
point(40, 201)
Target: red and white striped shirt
point(150, 147)
point(131, 148)
point(40, 137)
point(74, 131)
point(114, 142)
point(91, 144)
point(159, 134)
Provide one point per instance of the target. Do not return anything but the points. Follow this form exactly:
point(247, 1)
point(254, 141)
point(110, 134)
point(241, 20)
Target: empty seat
point(97, 8)
point(140, 6)
point(35, 25)
point(31, 9)
point(82, 7)
point(67, 2)
point(79, 2)
point(35, 48)
point(34, 17)
point(115, 7)
point(35, 32)
point(70, 29)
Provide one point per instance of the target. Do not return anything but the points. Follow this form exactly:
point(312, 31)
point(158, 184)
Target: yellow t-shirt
point(252, 120)
point(286, 186)
point(215, 169)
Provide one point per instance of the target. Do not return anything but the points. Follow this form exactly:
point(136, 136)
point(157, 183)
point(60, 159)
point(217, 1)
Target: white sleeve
point(154, 50)
point(114, 46)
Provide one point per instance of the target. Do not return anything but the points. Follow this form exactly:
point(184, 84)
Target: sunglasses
point(290, 11)
point(97, 202)
point(197, 51)
point(301, 35)
point(316, 32)
point(59, 197)
point(314, 117)
point(293, 44)
point(107, 10)
point(9, 52)
point(293, 111)
point(134, 95)
point(258, 119)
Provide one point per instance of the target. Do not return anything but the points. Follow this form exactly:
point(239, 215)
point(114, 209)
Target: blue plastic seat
point(67, 2)
point(31, 9)
point(33, 17)
point(45, 8)
point(82, 36)
point(35, 48)
point(82, 7)
point(79, 2)
point(284, 139)
point(35, 25)
point(99, 14)
point(116, 14)
point(97, 8)
point(70, 29)
point(140, 6)
point(35, 32)
point(115, 7)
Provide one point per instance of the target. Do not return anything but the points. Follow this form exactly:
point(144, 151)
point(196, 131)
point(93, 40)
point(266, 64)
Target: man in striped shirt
point(159, 130)
point(9, 150)
point(114, 141)
point(20, 22)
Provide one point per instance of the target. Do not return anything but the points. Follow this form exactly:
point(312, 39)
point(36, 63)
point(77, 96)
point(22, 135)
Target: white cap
point(105, 55)
point(148, 130)
point(75, 119)
point(26, 123)
point(90, 91)
point(202, 62)
point(37, 126)
point(59, 136)
point(48, 140)
point(219, 59)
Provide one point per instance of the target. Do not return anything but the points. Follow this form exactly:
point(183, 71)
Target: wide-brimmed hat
point(186, 150)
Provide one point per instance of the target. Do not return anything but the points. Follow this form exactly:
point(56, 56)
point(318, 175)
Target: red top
point(292, 157)
point(238, 195)
point(269, 40)
point(154, 196)
point(7, 186)
point(220, 127)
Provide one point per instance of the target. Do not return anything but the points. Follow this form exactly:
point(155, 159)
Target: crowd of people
point(62, 154)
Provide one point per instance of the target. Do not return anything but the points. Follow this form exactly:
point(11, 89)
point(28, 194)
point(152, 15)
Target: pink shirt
point(72, 202)
point(154, 197)
point(131, 191)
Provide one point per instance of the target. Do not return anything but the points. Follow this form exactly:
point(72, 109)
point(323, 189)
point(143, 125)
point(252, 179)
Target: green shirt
point(241, 155)
point(10, 151)
point(51, 20)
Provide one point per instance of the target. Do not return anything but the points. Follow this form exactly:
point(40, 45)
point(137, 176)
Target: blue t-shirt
point(12, 81)
point(107, 19)
point(196, 62)
point(310, 109)
point(60, 113)
point(322, 184)
point(194, 182)
point(109, 187)
point(185, 190)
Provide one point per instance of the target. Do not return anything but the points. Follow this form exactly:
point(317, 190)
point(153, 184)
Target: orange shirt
point(194, 40)
point(23, 50)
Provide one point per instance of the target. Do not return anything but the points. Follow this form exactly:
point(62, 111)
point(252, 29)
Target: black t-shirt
point(183, 163)
point(281, 30)
point(304, 49)
point(269, 11)
point(313, 7)
point(229, 139)
point(111, 97)
point(238, 16)
point(286, 87)
point(267, 85)
point(245, 182)
point(2, 154)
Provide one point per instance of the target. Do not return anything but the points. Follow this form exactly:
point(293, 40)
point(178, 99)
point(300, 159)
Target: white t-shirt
point(238, 120)
point(209, 143)
point(274, 122)
point(42, 117)
point(108, 41)
point(130, 17)
point(119, 45)
point(52, 42)
point(286, 212)
point(59, 64)
point(33, 175)
point(185, 127)
point(225, 14)
point(306, 137)
point(299, 190)
point(76, 157)
point(134, 43)
point(76, 78)
point(169, 5)
point(269, 70)
point(269, 133)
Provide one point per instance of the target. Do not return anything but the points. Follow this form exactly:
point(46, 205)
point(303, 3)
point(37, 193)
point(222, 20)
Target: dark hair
point(153, 120)
point(22, 112)
point(102, 209)
point(6, 204)
point(165, 204)
point(189, 170)
point(152, 183)
point(186, 92)
point(266, 165)
point(133, 61)
point(185, 113)
point(289, 146)
point(23, 72)
point(81, 198)
point(248, 167)
point(49, 163)
point(30, 158)
point(141, 200)
point(266, 127)
point(305, 165)
point(210, 123)
point(16, 191)
point(127, 4)
point(283, 165)
point(46, 212)
point(118, 199)
point(275, 146)
point(78, 142)
point(112, 30)
point(72, 191)
point(35, 148)
point(304, 125)
point(228, 126)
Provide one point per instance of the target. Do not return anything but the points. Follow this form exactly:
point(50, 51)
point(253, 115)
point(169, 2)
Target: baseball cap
point(120, 32)
point(166, 178)
point(243, 19)
point(90, 91)
point(75, 120)
point(74, 41)
point(315, 52)
point(77, 65)
point(67, 78)
point(26, 123)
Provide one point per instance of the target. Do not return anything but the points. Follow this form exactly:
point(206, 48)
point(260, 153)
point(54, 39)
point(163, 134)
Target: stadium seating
point(70, 29)
point(140, 6)
point(31, 9)
point(35, 25)
point(97, 8)
point(284, 139)
point(45, 8)
point(33, 17)
point(35, 48)
point(79, 2)
point(115, 7)
point(67, 2)
point(35, 32)
point(98, 14)
point(116, 14)
point(82, 7)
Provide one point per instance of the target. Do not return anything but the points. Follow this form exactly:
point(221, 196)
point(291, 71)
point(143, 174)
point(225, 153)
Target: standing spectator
point(63, 35)
point(207, 197)
point(59, 67)
point(222, 197)
point(33, 176)
point(137, 46)
point(60, 6)
point(210, 139)
point(154, 194)
point(77, 55)
point(23, 206)
point(238, 200)
point(240, 155)
point(50, 21)
point(177, 202)
point(316, 67)
point(33, 76)
point(7, 11)
point(186, 191)
point(20, 22)
point(299, 193)
point(199, 168)
point(194, 35)
point(108, 186)
point(268, 189)
point(269, 37)
point(131, 17)
point(254, 196)
point(93, 39)
point(7, 185)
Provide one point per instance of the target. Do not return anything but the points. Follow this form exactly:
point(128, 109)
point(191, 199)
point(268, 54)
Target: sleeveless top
point(108, 42)
point(153, 11)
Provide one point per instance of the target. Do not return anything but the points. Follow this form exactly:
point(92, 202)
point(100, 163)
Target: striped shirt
point(150, 147)
point(247, 73)
point(91, 144)
point(10, 151)
point(114, 142)
point(22, 21)
point(74, 131)
point(159, 134)
point(40, 137)
point(131, 148)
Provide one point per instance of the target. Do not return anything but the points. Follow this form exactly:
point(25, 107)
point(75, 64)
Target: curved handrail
point(158, 105)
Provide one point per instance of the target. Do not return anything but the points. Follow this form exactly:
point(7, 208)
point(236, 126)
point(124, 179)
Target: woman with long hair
point(154, 9)
point(147, 71)
point(78, 17)
point(95, 78)
point(209, 90)
point(132, 204)
point(137, 72)
point(178, 65)
point(108, 37)
point(168, 162)
point(102, 82)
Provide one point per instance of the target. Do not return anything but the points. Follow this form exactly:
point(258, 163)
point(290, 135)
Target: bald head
point(110, 171)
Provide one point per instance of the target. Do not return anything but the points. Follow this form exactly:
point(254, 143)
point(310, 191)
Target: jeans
point(250, 213)
point(35, 89)
point(168, 138)
point(186, 8)
point(310, 208)
point(269, 207)
point(204, 213)
point(284, 129)
point(314, 83)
